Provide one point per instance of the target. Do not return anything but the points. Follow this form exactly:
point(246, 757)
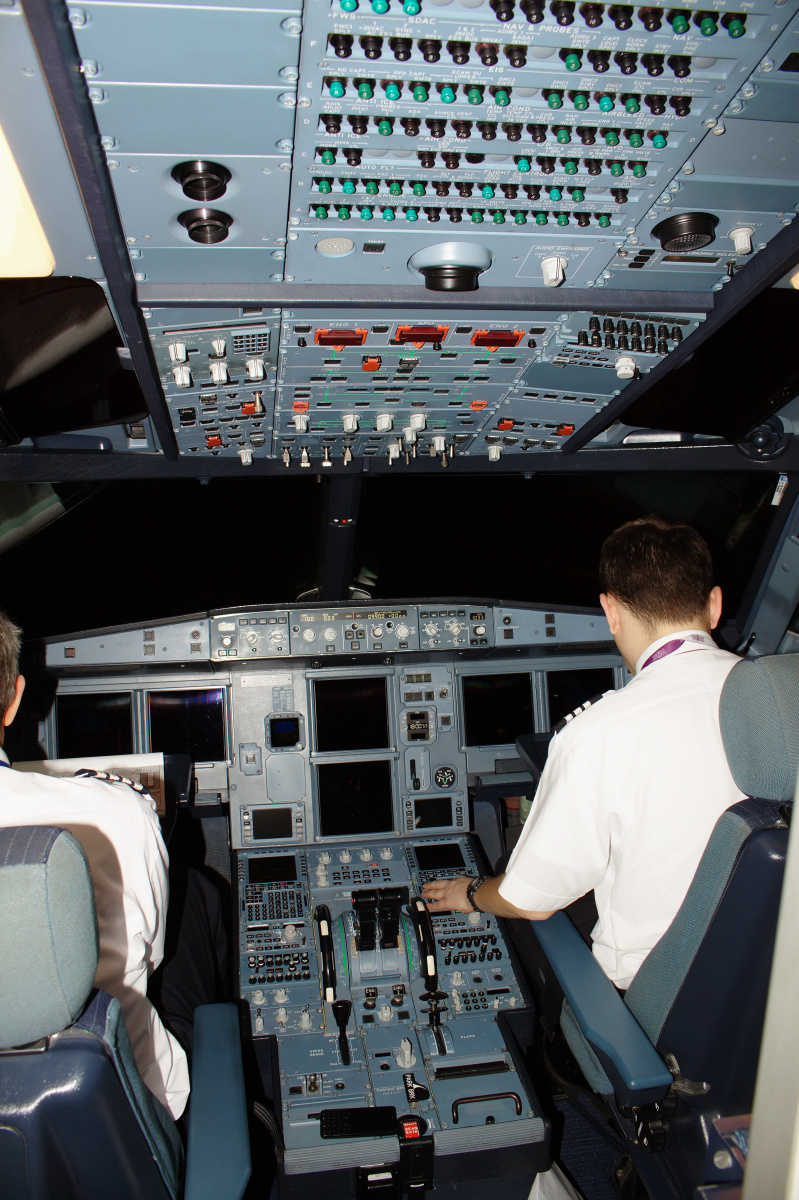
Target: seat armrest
point(633, 1066)
point(218, 1154)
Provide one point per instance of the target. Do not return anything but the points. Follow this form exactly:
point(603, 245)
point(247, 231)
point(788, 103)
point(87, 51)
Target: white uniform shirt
point(119, 831)
point(626, 804)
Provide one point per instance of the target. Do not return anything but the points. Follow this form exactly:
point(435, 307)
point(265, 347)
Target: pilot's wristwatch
point(473, 887)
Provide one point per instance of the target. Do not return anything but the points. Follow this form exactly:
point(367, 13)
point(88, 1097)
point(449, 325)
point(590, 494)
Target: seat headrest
point(48, 932)
point(759, 717)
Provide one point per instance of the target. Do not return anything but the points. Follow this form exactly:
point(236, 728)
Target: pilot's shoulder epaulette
point(564, 721)
point(108, 777)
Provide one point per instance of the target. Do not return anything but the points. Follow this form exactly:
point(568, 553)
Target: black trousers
point(195, 966)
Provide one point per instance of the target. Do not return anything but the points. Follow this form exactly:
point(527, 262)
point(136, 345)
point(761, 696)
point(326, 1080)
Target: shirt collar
point(4, 759)
point(695, 638)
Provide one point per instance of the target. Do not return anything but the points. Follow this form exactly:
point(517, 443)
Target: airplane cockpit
point(309, 554)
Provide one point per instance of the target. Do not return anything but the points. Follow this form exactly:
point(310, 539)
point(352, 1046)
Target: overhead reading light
point(24, 250)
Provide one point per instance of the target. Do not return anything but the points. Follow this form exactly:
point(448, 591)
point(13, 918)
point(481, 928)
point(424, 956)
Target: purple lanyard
point(669, 648)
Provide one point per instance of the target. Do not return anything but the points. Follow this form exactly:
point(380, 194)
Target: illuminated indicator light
point(570, 166)
point(578, 195)
point(420, 93)
point(474, 96)
point(555, 193)
point(395, 189)
point(616, 169)
point(631, 104)
point(488, 192)
point(501, 97)
point(328, 158)
point(540, 218)
point(325, 186)
point(411, 8)
point(605, 103)
point(336, 88)
point(523, 165)
point(348, 187)
point(736, 28)
point(604, 220)
point(411, 214)
point(707, 27)
point(499, 218)
point(564, 137)
point(343, 213)
point(658, 141)
point(572, 62)
point(581, 102)
point(679, 23)
point(639, 170)
point(477, 217)
point(563, 218)
point(388, 214)
point(392, 91)
point(554, 100)
point(366, 214)
point(611, 138)
point(384, 128)
point(520, 219)
point(320, 212)
point(447, 95)
point(371, 187)
point(365, 91)
point(636, 139)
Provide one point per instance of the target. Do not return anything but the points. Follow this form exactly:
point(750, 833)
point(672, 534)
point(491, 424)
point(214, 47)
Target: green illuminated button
point(581, 101)
point(419, 189)
point(384, 127)
point(328, 157)
point(604, 220)
point(411, 214)
point(520, 219)
point(636, 139)
point(563, 218)
point(395, 189)
point(679, 23)
point(659, 141)
point(474, 96)
point(320, 212)
point(540, 218)
point(616, 169)
point(555, 193)
point(736, 28)
point(349, 5)
point(564, 137)
point(420, 93)
point(611, 138)
point(348, 187)
point(343, 213)
point(488, 192)
point(379, 6)
point(411, 8)
point(639, 170)
point(366, 214)
point(336, 88)
point(501, 97)
point(477, 217)
point(605, 103)
point(365, 91)
point(707, 27)
point(499, 218)
point(554, 100)
point(392, 91)
point(388, 214)
point(325, 186)
point(578, 195)
point(523, 165)
point(632, 104)
point(447, 95)
point(572, 62)
point(570, 166)
point(371, 188)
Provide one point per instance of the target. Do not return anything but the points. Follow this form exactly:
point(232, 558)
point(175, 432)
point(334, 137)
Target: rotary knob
point(324, 857)
point(431, 629)
point(345, 856)
point(226, 641)
point(276, 635)
point(402, 632)
point(386, 853)
point(364, 855)
point(258, 997)
point(281, 996)
point(455, 628)
point(330, 634)
point(251, 636)
point(377, 631)
point(480, 630)
point(308, 635)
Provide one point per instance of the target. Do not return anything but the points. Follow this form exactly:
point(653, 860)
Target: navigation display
point(496, 709)
point(354, 797)
point(91, 725)
point(568, 689)
point(351, 714)
point(190, 723)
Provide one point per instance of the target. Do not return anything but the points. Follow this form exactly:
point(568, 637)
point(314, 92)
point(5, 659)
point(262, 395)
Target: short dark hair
point(662, 572)
point(10, 642)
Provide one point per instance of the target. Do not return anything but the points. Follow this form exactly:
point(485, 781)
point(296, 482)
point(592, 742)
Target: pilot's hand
point(447, 895)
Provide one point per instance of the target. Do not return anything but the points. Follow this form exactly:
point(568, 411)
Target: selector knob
point(251, 636)
point(330, 634)
point(259, 1024)
point(474, 918)
point(300, 422)
point(281, 996)
point(345, 856)
point(384, 422)
point(431, 629)
point(276, 636)
point(219, 372)
point(409, 435)
point(350, 423)
point(324, 857)
point(457, 979)
point(177, 352)
point(417, 421)
point(258, 997)
point(227, 641)
point(480, 630)
point(255, 368)
point(308, 635)
point(386, 853)
point(406, 1057)
point(364, 855)
point(439, 443)
point(455, 628)
point(182, 376)
point(402, 632)
point(384, 1012)
point(290, 933)
point(281, 1015)
point(377, 631)
point(305, 1020)
point(218, 347)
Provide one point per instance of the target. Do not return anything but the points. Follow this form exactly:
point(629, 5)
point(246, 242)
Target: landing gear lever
point(341, 1015)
